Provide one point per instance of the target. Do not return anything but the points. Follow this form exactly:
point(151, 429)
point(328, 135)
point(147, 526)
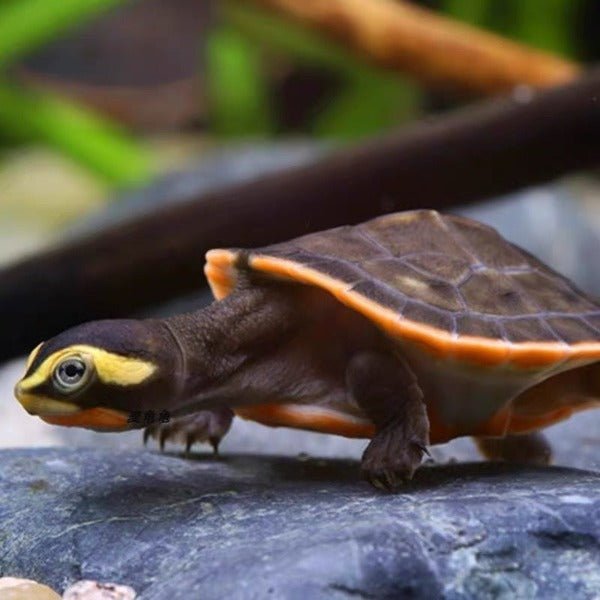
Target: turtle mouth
point(61, 412)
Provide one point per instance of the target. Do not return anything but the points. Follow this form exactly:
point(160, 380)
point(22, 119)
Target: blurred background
point(101, 96)
point(100, 99)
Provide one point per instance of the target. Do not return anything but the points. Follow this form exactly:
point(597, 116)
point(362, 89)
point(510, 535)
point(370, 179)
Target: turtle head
point(105, 375)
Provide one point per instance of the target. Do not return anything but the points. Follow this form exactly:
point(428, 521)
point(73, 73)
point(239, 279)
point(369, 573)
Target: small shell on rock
point(12, 588)
point(93, 590)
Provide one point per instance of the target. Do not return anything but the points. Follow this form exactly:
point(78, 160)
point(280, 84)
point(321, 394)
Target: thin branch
point(429, 47)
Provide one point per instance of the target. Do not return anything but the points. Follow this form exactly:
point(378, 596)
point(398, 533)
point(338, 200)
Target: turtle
point(410, 329)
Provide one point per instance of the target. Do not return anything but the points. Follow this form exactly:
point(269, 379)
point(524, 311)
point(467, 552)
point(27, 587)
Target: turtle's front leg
point(203, 426)
point(388, 392)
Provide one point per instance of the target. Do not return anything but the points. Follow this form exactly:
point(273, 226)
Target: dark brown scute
point(342, 242)
point(572, 328)
point(493, 293)
point(450, 273)
point(474, 325)
point(402, 277)
point(414, 232)
point(423, 313)
point(486, 244)
point(527, 329)
point(383, 295)
point(447, 268)
point(342, 271)
point(593, 321)
point(552, 293)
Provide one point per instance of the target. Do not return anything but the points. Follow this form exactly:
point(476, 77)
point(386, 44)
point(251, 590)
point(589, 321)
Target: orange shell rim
point(220, 271)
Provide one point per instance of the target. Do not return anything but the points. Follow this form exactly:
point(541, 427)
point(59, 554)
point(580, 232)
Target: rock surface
point(259, 527)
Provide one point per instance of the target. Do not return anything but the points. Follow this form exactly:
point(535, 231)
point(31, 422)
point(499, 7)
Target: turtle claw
point(378, 483)
point(214, 442)
point(156, 432)
point(189, 442)
point(148, 434)
point(204, 426)
point(424, 449)
point(386, 481)
point(162, 437)
point(390, 460)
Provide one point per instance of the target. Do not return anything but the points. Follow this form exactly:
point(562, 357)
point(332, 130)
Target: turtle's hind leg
point(529, 448)
point(204, 426)
point(387, 391)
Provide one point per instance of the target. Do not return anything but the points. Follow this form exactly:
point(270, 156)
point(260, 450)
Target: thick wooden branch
point(438, 163)
point(429, 47)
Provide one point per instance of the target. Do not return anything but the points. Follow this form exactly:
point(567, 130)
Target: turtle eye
point(71, 374)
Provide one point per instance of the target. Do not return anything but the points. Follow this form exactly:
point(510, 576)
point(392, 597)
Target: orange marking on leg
point(329, 421)
point(310, 418)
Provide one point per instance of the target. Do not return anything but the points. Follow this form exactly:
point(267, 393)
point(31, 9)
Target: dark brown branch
point(439, 163)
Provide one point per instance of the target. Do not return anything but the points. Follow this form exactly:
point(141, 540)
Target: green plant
point(42, 117)
point(370, 99)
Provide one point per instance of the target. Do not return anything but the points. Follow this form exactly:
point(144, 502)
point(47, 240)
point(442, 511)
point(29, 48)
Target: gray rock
point(258, 527)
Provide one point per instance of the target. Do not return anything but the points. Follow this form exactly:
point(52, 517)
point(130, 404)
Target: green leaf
point(277, 33)
point(369, 104)
point(547, 24)
point(25, 24)
point(78, 133)
point(237, 88)
point(372, 98)
point(475, 12)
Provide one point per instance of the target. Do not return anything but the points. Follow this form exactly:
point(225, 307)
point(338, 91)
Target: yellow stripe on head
point(121, 370)
point(32, 355)
point(109, 367)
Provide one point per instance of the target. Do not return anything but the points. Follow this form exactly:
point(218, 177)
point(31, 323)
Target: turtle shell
point(450, 289)
point(452, 284)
